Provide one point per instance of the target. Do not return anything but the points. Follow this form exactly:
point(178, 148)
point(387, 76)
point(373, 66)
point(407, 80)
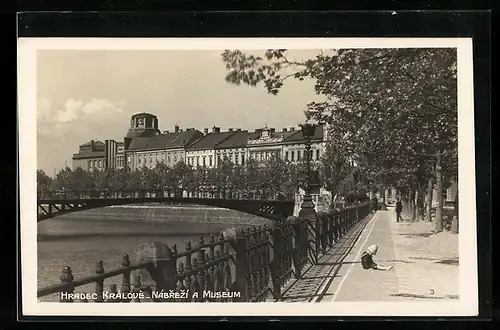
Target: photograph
point(258, 176)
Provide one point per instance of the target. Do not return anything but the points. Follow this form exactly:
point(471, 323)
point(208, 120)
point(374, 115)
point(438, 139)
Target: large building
point(145, 145)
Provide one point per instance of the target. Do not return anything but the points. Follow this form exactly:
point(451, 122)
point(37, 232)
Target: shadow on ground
point(410, 295)
point(417, 234)
point(453, 262)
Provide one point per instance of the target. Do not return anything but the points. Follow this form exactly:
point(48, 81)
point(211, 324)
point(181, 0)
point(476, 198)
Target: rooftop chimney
point(272, 130)
point(230, 129)
point(292, 129)
point(215, 129)
point(284, 130)
point(166, 132)
point(205, 131)
point(238, 129)
point(176, 128)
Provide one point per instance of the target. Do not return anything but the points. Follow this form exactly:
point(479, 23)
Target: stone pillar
point(239, 266)
point(393, 194)
point(163, 272)
point(386, 195)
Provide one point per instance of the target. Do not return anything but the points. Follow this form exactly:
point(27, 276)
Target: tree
point(333, 169)
point(388, 109)
point(43, 182)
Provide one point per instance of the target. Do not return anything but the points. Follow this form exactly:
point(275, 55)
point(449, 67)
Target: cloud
point(62, 128)
point(76, 110)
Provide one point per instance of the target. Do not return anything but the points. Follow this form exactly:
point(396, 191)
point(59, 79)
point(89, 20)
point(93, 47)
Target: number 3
point(431, 292)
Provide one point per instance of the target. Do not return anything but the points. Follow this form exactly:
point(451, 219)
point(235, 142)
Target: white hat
point(372, 249)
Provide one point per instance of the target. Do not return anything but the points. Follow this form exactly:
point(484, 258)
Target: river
point(80, 239)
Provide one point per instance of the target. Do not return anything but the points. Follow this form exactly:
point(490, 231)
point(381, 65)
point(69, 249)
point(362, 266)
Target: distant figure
point(399, 209)
point(375, 204)
point(367, 259)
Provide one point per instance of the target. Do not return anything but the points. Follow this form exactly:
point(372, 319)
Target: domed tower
point(141, 125)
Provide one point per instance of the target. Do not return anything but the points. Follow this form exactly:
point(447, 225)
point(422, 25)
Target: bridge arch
point(269, 209)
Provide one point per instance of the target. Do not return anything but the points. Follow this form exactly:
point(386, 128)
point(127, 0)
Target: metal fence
point(252, 265)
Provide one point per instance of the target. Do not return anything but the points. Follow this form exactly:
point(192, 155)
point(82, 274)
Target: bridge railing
point(251, 265)
point(155, 193)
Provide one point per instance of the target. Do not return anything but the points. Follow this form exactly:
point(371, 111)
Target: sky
point(85, 95)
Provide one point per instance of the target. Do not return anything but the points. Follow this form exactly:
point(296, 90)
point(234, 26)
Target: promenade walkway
point(425, 265)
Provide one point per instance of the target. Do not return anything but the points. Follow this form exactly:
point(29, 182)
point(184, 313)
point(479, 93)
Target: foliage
point(270, 178)
point(390, 110)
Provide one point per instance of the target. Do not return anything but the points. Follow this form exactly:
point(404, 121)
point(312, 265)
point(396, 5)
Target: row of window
point(300, 154)
point(95, 164)
point(120, 162)
point(236, 158)
point(159, 157)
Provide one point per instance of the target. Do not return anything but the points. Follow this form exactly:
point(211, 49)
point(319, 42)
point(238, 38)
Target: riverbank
point(80, 239)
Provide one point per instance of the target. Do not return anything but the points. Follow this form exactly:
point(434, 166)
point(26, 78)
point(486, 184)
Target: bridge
point(51, 204)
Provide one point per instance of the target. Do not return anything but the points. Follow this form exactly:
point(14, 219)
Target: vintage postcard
point(260, 177)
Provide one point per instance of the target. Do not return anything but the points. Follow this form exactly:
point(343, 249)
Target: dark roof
point(96, 144)
point(186, 138)
point(210, 141)
point(299, 137)
point(238, 140)
point(143, 114)
point(92, 154)
point(256, 135)
point(163, 141)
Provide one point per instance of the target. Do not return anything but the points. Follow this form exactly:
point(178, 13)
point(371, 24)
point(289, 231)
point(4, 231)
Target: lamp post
point(308, 132)
point(307, 211)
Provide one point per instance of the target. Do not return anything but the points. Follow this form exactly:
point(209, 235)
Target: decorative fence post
point(308, 213)
point(67, 278)
point(276, 261)
point(299, 245)
point(99, 284)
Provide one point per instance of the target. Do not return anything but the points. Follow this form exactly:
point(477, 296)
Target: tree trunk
point(417, 205)
point(428, 211)
point(454, 221)
point(438, 221)
point(412, 205)
point(384, 201)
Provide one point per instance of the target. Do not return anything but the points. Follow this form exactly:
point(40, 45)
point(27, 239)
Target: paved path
point(421, 270)
point(417, 275)
point(312, 286)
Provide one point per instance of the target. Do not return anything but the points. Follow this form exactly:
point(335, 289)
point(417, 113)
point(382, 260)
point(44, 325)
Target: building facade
point(145, 146)
point(90, 156)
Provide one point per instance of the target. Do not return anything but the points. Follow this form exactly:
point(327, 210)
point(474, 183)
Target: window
point(139, 160)
point(168, 157)
point(204, 161)
point(129, 160)
point(242, 159)
point(310, 154)
point(317, 154)
point(298, 154)
point(175, 157)
point(236, 159)
point(89, 164)
point(100, 163)
point(210, 161)
point(293, 155)
point(286, 155)
point(150, 158)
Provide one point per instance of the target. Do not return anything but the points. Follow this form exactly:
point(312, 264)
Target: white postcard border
point(466, 305)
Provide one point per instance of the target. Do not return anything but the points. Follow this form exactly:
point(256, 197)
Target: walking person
point(367, 259)
point(399, 209)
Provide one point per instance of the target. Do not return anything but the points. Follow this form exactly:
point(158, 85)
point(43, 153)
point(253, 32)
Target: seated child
point(367, 259)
